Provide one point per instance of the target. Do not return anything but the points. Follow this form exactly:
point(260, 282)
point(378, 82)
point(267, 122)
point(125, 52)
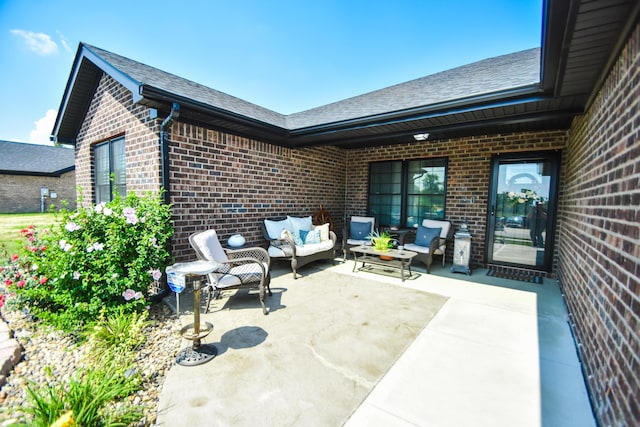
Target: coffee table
point(397, 259)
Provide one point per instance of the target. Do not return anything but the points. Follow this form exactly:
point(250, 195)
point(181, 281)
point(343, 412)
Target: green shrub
point(96, 394)
point(91, 395)
point(91, 262)
point(121, 333)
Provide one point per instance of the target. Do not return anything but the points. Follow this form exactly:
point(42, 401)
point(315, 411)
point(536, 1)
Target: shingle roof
point(32, 159)
point(497, 74)
point(487, 76)
point(146, 75)
point(536, 89)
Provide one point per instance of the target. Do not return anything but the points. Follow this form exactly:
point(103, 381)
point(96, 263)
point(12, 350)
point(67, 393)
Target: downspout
point(164, 146)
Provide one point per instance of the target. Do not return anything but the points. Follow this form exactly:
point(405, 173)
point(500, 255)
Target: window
point(110, 163)
point(404, 192)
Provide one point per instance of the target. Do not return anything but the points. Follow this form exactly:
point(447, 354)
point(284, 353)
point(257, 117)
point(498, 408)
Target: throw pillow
point(424, 235)
point(359, 230)
point(295, 237)
point(274, 228)
point(312, 236)
point(297, 224)
point(324, 231)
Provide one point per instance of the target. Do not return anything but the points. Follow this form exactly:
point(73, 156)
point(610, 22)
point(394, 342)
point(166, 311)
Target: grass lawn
point(11, 224)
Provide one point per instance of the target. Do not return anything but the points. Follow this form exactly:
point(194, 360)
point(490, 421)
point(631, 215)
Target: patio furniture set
point(300, 242)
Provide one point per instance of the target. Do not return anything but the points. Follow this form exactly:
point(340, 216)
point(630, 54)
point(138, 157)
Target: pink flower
point(20, 284)
point(14, 257)
point(8, 282)
point(138, 295)
point(72, 226)
point(64, 245)
point(156, 274)
point(43, 280)
point(129, 294)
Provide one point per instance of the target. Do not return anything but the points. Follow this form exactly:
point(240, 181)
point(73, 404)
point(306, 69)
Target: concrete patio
point(496, 352)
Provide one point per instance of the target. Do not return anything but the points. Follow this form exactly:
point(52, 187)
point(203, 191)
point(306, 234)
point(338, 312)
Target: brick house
point(561, 122)
point(35, 177)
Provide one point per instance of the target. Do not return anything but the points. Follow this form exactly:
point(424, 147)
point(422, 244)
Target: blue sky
point(288, 56)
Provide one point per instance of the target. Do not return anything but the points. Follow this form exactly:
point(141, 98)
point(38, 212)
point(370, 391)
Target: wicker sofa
point(297, 240)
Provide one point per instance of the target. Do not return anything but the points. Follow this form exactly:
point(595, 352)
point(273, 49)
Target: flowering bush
point(525, 196)
point(92, 261)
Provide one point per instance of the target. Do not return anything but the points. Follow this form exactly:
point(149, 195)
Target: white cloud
point(44, 126)
point(40, 43)
point(64, 43)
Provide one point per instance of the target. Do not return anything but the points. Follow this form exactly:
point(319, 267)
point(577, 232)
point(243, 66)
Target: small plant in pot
point(381, 241)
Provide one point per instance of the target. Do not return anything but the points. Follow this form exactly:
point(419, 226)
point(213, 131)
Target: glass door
point(522, 206)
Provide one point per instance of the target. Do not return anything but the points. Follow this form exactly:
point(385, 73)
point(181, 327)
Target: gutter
point(164, 148)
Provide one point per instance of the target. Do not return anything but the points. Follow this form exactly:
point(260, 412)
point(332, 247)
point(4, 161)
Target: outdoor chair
point(357, 232)
point(431, 238)
point(239, 268)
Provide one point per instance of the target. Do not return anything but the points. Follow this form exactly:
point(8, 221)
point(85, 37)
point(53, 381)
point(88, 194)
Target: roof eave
point(152, 95)
point(483, 101)
point(83, 54)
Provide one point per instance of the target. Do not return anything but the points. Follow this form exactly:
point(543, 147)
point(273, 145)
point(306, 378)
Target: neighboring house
point(558, 124)
point(35, 177)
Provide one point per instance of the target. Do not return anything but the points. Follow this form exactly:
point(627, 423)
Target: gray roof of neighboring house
point(17, 158)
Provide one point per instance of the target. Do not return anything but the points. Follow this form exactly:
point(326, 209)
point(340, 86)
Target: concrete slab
point(326, 343)
point(497, 353)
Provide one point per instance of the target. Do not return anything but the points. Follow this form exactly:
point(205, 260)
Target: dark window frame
point(389, 197)
point(109, 155)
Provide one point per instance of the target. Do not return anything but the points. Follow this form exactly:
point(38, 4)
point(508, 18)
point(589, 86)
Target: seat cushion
point(417, 248)
point(424, 235)
point(241, 274)
point(284, 251)
point(357, 242)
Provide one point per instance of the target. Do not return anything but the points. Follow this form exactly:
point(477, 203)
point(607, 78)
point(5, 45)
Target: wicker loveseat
point(299, 241)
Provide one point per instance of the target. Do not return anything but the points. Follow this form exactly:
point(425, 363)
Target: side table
point(198, 353)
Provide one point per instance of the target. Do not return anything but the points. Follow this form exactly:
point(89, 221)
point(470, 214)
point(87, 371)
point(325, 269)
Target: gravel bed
point(47, 351)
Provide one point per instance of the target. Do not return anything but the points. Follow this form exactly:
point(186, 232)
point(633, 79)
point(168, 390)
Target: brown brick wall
point(469, 168)
point(232, 183)
point(111, 114)
point(599, 260)
point(21, 193)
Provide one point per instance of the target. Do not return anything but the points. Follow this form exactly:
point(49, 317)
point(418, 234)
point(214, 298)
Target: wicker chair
point(239, 268)
point(437, 247)
point(349, 241)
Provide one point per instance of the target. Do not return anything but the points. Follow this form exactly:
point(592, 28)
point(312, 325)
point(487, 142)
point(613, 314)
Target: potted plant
point(381, 241)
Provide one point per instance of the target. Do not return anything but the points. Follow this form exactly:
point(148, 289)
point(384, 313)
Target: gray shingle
point(483, 77)
point(479, 78)
point(21, 158)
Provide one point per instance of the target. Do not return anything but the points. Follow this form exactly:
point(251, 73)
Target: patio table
point(196, 354)
point(396, 259)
